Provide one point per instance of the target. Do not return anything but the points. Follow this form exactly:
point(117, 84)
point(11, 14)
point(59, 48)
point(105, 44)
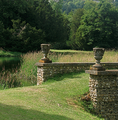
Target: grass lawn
point(69, 51)
point(53, 100)
point(56, 99)
point(8, 53)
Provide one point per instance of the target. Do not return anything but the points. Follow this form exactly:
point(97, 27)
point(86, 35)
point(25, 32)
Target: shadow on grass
point(9, 112)
point(60, 77)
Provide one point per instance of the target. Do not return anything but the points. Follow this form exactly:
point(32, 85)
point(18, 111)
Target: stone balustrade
point(103, 83)
point(103, 88)
point(47, 70)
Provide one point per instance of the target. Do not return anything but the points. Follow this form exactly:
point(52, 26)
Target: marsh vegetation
point(25, 73)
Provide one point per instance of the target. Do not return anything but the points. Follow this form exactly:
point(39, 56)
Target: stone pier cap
point(76, 63)
point(63, 63)
point(106, 72)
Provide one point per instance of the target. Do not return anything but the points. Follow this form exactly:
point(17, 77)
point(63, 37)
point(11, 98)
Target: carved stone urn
point(45, 48)
point(98, 54)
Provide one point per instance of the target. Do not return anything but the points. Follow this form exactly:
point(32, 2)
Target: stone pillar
point(103, 88)
point(43, 72)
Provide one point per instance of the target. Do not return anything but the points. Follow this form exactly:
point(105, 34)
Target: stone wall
point(103, 88)
point(103, 85)
point(46, 70)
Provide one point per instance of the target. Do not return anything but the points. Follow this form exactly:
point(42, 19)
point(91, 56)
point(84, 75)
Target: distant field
point(81, 56)
point(67, 55)
point(69, 51)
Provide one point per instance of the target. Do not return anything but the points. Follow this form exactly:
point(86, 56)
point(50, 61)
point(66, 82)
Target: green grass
point(69, 51)
point(56, 99)
point(8, 53)
point(28, 71)
point(2, 59)
point(53, 100)
point(81, 56)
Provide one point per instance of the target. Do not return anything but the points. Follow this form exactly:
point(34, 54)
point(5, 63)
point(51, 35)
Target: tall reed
point(26, 74)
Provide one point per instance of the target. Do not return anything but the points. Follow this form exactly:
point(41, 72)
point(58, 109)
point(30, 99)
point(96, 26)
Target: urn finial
point(98, 54)
point(45, 48)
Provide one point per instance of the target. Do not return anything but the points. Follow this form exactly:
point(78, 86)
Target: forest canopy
point(66, 24)
point(25, 24)
point(96, 25)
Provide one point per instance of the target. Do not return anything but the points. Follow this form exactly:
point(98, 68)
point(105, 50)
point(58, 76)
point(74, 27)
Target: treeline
point(25, 24)
point(71, 5)
point(95, 25)
point(68, 6)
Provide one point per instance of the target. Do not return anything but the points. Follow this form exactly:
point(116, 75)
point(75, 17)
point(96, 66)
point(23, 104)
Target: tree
point(51, 23)
point(32, 38)
point(42, 25)
point(57, 5)
point(25, 37)
point(12, 9)
point(2, 41)
point(75, 23)
point(99, 27)
point(71, 5)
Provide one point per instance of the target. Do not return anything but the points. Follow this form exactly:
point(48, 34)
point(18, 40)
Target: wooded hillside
point(66, 24)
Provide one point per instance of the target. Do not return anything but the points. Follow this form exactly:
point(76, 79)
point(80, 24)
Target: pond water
point(9, 63)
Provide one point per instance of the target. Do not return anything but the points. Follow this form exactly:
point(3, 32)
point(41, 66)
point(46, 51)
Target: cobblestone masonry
point(46, 70)
point(103, 85)
point(103, 88)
